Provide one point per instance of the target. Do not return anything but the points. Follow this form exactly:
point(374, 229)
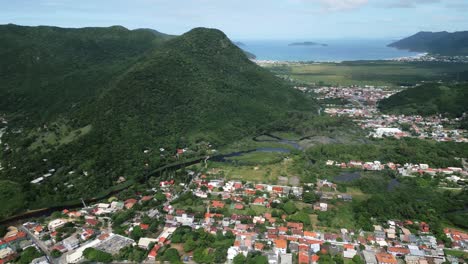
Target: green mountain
point(428, 99)
point(84, 104)
point(442, 43)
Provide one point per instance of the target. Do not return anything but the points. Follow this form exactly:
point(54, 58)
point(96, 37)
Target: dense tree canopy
point(89, 101)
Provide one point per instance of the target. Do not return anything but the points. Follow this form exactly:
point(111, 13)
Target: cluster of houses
point(233, 189)
point(431, 127)
point(425, 57)
point(282, 240)
point(367, 94)
point(454, 174)
point(273, 233)
point(459, 239)
point(366, 114)
point(84, 236)
point(14, 241)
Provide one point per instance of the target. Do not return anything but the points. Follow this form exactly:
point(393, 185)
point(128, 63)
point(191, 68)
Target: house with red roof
point(18, 236)
point(294, 225)
point(310, 234)
point(166, 183)
point(314, 259)
point(424, 227)
point(281, 246)
point(87, 234)
point(249, 192)
point(259, 246)
point(217, 204)
point(146, 198)
point(277, 189)
point(154, 252)
point(239, 206)
point(282, 230)
point(92, 222)
point(237, 185)
point(304, 257)
point(38, 229)
point(259, 201)
point(129, 203)
point(398, 251)
point(385, 258)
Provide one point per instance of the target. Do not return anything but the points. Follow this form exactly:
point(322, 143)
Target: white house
point(55, 224)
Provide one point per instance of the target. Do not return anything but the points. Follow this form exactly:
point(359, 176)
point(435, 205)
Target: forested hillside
point(86, 103)
point(442, 43)
point(428, 99)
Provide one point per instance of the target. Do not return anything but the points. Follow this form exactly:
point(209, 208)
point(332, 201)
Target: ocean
point(336, 51)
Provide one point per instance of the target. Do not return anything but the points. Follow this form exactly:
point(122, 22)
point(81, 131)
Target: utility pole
point(83, 203)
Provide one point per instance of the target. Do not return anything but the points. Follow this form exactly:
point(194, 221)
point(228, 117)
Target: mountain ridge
point(97, 98)
point(442, 43)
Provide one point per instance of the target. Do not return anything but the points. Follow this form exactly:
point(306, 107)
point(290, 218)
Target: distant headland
point(308, 43)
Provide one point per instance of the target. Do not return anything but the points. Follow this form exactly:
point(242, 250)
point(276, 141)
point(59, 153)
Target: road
point(40, 244)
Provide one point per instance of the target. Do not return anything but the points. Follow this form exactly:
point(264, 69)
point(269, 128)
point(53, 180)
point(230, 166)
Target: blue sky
point(250, 19)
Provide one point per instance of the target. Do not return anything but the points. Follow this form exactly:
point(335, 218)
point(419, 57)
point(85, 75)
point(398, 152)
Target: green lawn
point(456, 253)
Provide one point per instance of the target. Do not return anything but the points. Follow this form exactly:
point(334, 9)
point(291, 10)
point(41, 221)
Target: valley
point(134, 145)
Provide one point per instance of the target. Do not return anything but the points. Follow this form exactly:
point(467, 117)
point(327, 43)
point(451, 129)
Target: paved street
point(39, 243)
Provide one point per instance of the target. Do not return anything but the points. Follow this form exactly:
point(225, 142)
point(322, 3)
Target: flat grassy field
point(381, 73)
point(259, 157)
point(357, 193)
point(259, 210)
point(262, 173)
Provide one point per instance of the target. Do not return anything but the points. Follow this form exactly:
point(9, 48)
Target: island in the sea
point(308, 43)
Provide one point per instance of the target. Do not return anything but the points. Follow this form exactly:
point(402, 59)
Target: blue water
point(337, 50)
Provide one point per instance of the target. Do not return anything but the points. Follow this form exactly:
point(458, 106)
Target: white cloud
point(338, 5)
point(409, 3)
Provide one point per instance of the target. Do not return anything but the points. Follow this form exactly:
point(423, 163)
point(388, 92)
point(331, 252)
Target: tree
point(200, 255)
point(55, 253)
point(289, 207)
point(28, 255)
point(300, 216)
point(239, 259)
point(96, 255)
point(357, 259)
point(3, 230)
point(137, 233)
point(325, 259)
point(309, 197)
point(171, 255)
point(220, 255)
point(190, 245)
point(338, 259)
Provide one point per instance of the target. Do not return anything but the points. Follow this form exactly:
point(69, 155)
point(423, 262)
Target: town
point(361, 106)
point(213, 220)
point(450, 174)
